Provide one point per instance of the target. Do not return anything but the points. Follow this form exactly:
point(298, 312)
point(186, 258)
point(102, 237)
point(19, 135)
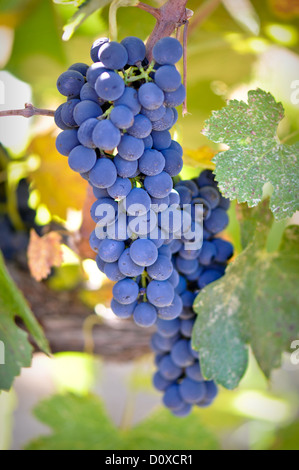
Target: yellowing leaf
point(285, 8)
point(60, 188)
point(200, 158)
point(43, 254)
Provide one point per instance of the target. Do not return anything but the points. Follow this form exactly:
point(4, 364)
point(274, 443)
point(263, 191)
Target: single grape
point(155, 114)
point(82, 159)
point(150, 96)
point(143, 252)
point(141, 128)
point(161, 140)
point(88, 93)
point(135, 48)
point(113, 273)
point(66, 141)
point(194, 372)
point(208, 253)
point(94, 52)
point(175, 98)
point(125, 168)
point(158, 186)
point(172, 398)
point(173, 162)
point(80, 67)
point(138, 202)
point(111, 250)
point(85, 132)
point(126, 291)
point(122, 117)
point(86, 110)
point(168, 328)
point(191, 391)
point(167, 51)
point(173, 310)
point(148, 142)
point(181, 355)
point(166, 122)
point(106, 136)
point(67, 112)
point(122, 311)
point(104, 174)
point(70, 83)
point(217, 222)
point(127, 266)
point(113, 55)
point(209, 276)
point(160, 383)
point(151, 163)
point(58, 119)
point(168, 369)
point(130, 99)
point(109, 86)
point(168, 78)
point(120, 189)
point(145, 315)
point(224, 250)
point(94, 72)
point(160, 293)
point(130, 148)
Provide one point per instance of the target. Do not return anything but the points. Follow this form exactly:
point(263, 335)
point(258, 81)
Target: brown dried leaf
point(43, 254)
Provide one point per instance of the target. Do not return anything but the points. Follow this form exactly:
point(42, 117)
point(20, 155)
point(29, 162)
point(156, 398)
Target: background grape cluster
point(116, 126)
point(14, 237)
point(179, 374)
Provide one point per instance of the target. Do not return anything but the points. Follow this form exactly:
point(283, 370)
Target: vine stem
point(170, 16)
point(28, 112)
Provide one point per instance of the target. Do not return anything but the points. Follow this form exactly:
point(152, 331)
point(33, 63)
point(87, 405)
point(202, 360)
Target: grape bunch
point(116, 126)
point(179, 374)
point(15, 227)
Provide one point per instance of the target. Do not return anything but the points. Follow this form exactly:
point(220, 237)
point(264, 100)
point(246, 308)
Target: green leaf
point(255, 303)
point(81, 423)
point(37, 35)
point(18, 350)
point(255, 156)
point(77, 423)
point(86, 8)
point(163, 431)
point(287, 438)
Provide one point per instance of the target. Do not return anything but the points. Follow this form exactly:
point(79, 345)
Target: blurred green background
point(242, 45)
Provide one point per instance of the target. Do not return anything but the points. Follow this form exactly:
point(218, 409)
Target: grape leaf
point(43, 254)
point(255, 156)
point(17, 349)
point(86, 8)
point(255, 303)
point(81, 423)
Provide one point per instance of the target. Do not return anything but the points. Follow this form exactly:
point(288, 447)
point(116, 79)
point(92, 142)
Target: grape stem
point(27, 112)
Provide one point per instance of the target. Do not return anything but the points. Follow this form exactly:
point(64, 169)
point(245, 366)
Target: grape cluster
point(115, 132)
point(179, 374)
point(13, 241)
